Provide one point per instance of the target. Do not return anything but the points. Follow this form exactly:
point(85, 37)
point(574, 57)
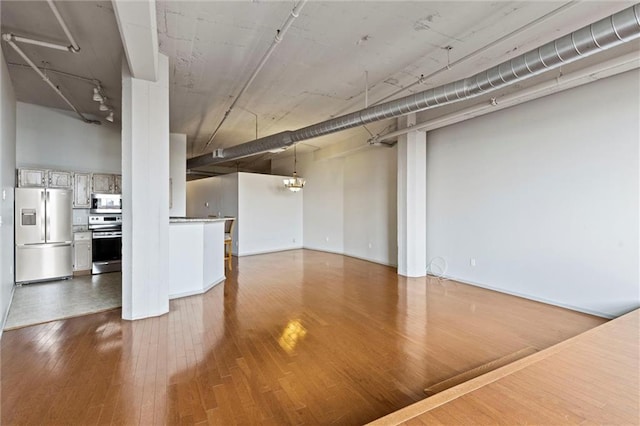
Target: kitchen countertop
point(184, 219)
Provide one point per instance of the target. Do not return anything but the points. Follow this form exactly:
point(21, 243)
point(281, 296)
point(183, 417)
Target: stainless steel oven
point(106, 243)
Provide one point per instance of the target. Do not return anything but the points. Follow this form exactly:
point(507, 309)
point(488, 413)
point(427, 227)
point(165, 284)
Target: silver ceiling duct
point(614, 30)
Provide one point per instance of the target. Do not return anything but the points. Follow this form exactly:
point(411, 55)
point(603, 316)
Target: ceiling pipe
point(45, 78)
point(93, 81)
point(20, 39)
point(475, 53)
point(295, 12)
point(74, 46)
point(614, 30)
point(577, 78)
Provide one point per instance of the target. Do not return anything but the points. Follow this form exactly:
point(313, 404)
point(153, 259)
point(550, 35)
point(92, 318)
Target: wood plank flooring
point(592, 378)
point(298, 337)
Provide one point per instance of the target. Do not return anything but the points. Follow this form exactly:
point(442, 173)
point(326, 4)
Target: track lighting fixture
point(97, 96)
point(104, 107)
point(110, 117)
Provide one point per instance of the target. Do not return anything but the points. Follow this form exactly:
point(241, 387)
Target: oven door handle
point(97, 236)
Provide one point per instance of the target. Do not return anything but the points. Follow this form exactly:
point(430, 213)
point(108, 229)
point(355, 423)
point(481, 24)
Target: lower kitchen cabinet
point(82, 252)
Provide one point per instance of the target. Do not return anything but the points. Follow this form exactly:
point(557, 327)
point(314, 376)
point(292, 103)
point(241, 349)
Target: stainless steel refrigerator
point(43, 234)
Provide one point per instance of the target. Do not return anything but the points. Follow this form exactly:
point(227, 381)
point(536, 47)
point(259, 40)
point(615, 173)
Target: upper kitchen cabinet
point(118, 184)
point(32, 178)
point(106, 184)
point(42, 178)
point(82, 190)
point(60, 179)
point(102, 183)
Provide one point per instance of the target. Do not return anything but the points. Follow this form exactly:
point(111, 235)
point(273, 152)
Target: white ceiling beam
point(139, 34)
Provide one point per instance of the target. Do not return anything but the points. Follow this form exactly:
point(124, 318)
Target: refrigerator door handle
point(44, 246)
point(48, 216)
point(42, 213)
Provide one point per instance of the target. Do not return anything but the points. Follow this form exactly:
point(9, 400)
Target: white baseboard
point(253, 253)
point(530, 297)
point(151, 315)
point(393, 265)
point(6, 314)
point(196, 292)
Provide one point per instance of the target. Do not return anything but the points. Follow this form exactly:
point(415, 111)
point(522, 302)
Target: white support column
point(137, 23)
point(412, 201)
point(145, 194)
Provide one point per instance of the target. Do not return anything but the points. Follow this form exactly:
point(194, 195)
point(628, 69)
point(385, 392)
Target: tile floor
point(43, 302)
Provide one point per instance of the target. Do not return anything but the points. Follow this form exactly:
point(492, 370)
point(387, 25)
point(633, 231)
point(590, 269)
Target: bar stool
point(228, 240)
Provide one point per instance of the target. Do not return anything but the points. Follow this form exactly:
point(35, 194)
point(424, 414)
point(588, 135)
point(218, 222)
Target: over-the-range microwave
point(106, 203)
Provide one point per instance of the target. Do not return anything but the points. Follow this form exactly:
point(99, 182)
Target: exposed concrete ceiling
point(317, 72)
point(93, 25)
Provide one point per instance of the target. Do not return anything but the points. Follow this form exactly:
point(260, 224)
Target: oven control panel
point(104, 221)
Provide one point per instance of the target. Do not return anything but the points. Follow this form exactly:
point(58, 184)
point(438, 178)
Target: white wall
point(206, 197)
point(545, 197)
point(7, 183)
point(55, 138)
point(323, 210)
point(215, 196)
point(178, 173)
point(350, 203)
point(370, 205)
point(270, 216)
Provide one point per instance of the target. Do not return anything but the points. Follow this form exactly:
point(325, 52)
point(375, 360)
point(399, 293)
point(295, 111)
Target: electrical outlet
point(4, 194)
point(472, 261)
point(206, 204)
point(326, 239)
point(370, 245)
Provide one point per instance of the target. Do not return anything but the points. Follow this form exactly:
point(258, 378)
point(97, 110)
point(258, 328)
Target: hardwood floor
point(591, 378)
point(298, 337)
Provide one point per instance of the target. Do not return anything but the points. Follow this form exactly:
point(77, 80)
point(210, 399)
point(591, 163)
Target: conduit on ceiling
point(295, 12)
point(606, 33)
point(475, 53)
point(11, 40)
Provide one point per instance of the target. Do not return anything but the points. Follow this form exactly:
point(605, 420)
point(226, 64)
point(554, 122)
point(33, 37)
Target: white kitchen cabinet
point(102, 183)
point(117, 188)
point(60, 179)
point(82, 190)
point(82, 251)
point(30, 178)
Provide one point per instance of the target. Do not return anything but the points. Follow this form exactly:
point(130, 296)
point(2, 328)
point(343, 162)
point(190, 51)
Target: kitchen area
point(68, 244)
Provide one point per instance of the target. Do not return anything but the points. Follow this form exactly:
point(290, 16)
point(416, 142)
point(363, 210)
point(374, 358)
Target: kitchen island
point(196, 255)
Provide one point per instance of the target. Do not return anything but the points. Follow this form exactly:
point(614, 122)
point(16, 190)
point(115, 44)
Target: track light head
point(97, 96)
point(110, 117)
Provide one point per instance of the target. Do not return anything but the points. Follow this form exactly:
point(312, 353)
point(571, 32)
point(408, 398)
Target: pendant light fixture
point(294, 184)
